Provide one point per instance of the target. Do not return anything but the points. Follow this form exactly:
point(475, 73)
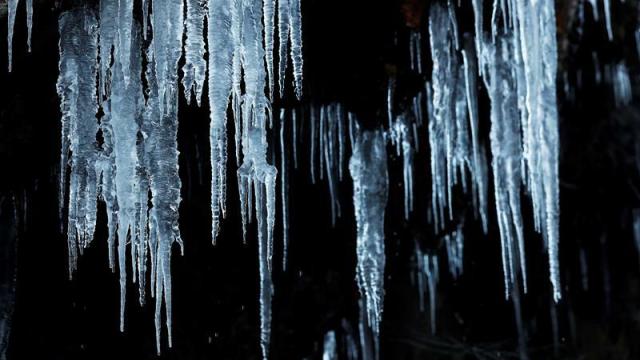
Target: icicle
point(594, 9)
point(284, 190)
point(124, 31)
point(507, 156)
point(596, 68)
point(341, 140)
point(313, 125)
point(455, 249)
point(479, 28)
point(401, 137)
point(349, 341)
point(540, 122)
point(108, 29)
point(78, 105)
point(330, 153)
point(440, 126)
point(294, 139)
point(12, 7)
point(29, 23)
point(523, 62)
point(622, 93)
point(391, 85)
point(269, 7)
point(194, 68)
point(431, 271)
point(607, 18)
point(165, 53)
point(415, 51)
point(255, 172)
point(478, 168)
point(330, 351)
point(221, 50)
point(368, 168)
point(283, 42)
point(323, 121)
point(584, 269)
point(125, 111)
point(296, 44)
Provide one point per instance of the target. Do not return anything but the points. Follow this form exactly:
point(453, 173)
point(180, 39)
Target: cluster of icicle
point(517, 61)
point(426, 277)
point(517, 64)
point(133, 167)
point(12, 9)
point(132, 108)
point(615, 75)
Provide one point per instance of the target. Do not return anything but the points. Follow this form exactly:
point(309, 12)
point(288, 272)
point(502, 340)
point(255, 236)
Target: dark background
point(350, 49)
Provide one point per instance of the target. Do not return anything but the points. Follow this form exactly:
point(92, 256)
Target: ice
point(284, 31)
point(161, 129)
point(12, 7)
point(256, 177)
point(402, 138)
point(221, 74)
point(284, 189)
point(29, 23)
point(269, 8)
point(125, 110)
point(506, 149)
point(622, 91)
point(195, 67)
point(478, 157)
point(78, 106)
point(427, 272)
point(455, 250)
point(522, 59)
point(440, 124)
point(296, 44)
point(607, 17)
point(104, 96)
point(330, 351)
point(124, 26)
point(368, 168)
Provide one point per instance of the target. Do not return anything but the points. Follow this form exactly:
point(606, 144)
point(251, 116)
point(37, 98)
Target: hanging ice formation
point(506, 148)
point(136, 124)
point(453, 127)
point(622, 93)
point(138, 153)
point(401, 137)
point(330, 351)
point(427, 275)
point(368, 168)
point(240, 45)
point(329, 136)
point(454, 243)
point(119, 133)
point(518, 63)
point(12, 7)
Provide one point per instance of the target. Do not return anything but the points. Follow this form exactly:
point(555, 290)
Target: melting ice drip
point(135, 162)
